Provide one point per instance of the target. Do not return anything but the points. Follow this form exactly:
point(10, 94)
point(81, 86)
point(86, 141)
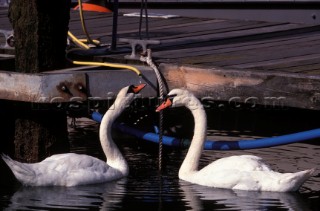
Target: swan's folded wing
point(98, 174)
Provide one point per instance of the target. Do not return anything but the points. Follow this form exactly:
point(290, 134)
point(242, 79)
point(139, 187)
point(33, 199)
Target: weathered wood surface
point(72, 84)
point(271, 90)
point(272, 60)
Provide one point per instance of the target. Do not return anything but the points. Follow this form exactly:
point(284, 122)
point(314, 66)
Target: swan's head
point(178, 98)
point(127, 94)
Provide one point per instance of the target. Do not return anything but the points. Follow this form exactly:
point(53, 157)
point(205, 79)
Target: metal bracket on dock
point(9, 39)
point(134, 43)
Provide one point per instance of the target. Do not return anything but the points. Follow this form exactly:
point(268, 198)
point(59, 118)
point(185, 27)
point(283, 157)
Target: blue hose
point(217, 145)
point(96, 116)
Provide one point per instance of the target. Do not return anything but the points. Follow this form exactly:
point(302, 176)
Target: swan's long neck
point(114, 157)
point(191, 161)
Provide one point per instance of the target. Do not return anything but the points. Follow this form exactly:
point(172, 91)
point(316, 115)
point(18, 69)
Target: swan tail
point(22, 172)
point(298, 178)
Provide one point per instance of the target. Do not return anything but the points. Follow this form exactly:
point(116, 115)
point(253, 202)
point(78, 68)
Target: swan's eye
point(130, 90)
point(170, 97)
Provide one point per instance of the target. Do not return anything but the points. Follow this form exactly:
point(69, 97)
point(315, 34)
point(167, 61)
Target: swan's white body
point(244, 172)
point(72, 169)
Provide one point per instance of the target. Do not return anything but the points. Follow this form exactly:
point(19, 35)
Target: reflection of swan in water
point(198, 197)
point(72, 169)
point(105, 196)
point(244, 172)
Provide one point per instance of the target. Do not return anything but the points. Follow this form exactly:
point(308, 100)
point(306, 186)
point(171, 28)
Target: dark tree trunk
point(40, 33)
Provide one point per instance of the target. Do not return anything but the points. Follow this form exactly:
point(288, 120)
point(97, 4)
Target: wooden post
point(40, 34)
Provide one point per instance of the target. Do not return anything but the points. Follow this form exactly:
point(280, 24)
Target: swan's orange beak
point(137, 88)
point(164, 105)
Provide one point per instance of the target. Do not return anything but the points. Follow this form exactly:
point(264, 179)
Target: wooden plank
point(277, 61)
point(273, 90)
point(251, 60)
point(104, 84)
point(226, 47)
point(305, 63)
point(203, 30)
point(129, 22)
point(130, 29)
point(251, 57)
point(315, 71)
point(222, 55)
point(40, 88)
point(269, 56)
point(237, 36)
point(161, 48)
point(76, 84)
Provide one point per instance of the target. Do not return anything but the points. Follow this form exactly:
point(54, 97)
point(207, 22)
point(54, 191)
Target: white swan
point(244, 172)
point(72, 169)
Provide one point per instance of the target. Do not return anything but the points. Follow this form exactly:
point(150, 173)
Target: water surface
point(148, 189)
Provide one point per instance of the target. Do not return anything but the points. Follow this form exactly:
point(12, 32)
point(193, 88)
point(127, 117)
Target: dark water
point(147, 189)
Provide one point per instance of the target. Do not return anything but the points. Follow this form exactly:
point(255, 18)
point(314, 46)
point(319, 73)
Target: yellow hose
point(109, 65)
point(97, 42)
point(84, 28)
point(77, 41)
point(80, 43)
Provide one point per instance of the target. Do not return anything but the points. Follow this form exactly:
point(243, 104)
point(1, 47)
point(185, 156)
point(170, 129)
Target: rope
point(148, 60)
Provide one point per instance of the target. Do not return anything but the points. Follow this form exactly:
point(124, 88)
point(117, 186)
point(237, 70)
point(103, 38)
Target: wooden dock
point(235, 61)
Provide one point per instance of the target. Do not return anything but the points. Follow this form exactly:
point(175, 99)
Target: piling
point(40, 36)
